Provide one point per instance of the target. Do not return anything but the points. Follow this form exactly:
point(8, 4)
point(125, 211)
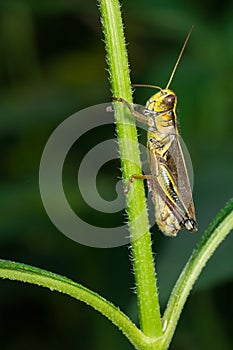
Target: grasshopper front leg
point(138, 116)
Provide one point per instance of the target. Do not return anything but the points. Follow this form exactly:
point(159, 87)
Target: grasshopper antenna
point(149, 86)
point(179, 57)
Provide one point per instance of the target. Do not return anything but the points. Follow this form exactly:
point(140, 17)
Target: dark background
point(52, 64)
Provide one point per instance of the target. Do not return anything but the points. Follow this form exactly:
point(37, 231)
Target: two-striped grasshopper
point(168, 181)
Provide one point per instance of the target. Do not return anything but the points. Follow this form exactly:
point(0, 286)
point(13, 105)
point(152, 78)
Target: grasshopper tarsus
point(119, 99)
point(138, 116)
point(136, 176)
point(127, 188)
point(122, 100)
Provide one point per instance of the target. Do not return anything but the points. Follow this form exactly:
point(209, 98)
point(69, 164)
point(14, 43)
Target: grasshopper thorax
point(163, 101)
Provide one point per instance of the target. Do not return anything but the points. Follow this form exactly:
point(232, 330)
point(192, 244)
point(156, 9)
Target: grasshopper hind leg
point(165, 219)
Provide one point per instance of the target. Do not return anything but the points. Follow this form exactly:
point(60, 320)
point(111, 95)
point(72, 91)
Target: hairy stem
point(213, 236)
point(40, 277)
point(149, 312)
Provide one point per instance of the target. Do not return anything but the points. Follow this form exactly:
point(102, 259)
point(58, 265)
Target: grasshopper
point(168, 181)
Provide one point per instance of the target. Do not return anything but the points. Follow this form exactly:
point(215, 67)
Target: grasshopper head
point(163, 101)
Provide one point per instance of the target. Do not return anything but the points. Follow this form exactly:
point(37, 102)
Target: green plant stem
point(40, 277)
point(147, 295)
point(213, 236)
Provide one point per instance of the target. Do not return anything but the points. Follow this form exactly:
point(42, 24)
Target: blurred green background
point(52, 64)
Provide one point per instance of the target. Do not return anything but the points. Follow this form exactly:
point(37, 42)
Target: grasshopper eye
point(169, 100)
